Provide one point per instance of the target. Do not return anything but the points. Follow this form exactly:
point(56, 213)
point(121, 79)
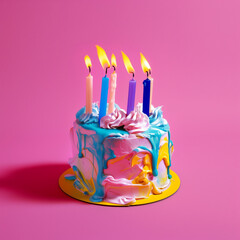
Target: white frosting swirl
point(113, 120)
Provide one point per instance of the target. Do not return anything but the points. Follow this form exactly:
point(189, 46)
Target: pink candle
point(113, 85)
point(89, 86)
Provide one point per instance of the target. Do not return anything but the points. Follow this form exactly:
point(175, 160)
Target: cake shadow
point(35, 182)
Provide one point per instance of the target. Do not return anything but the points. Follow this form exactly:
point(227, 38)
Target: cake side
point(118, 166)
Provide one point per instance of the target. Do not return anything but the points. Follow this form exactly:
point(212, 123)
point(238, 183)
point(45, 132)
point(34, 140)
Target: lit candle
point(113, 85)
point(89, 85)
point(151, 92)
point(105, 82)
point(146, 96)
point(147, 86)
point(132, 84)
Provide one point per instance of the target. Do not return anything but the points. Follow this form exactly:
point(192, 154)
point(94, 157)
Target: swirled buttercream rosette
point(113, 120)
point(136, 122)
point(83, 117)
point(156, 117)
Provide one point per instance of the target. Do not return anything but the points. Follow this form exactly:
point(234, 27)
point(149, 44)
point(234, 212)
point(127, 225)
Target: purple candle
point(132, 84)
point(131, 95)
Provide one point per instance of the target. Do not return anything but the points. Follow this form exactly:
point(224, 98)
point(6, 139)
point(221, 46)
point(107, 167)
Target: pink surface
point(194, 51)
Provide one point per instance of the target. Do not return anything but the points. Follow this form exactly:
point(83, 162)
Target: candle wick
point(89, 69)
point(133, 74)
point(106, 70)
point(114, 68)
point(149, 73)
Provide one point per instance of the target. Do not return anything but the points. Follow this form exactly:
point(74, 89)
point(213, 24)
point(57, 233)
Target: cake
point(121, 158)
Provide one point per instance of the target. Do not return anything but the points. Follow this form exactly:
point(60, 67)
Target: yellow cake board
point(69, 189)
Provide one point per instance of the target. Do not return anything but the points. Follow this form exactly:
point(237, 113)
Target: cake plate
point(68, 188)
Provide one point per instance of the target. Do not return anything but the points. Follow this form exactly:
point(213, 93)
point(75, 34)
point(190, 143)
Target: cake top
point(135, 122)
point(138, 119)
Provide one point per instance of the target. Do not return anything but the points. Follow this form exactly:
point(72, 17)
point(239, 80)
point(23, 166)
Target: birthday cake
point(125, 158)
point(120, 157)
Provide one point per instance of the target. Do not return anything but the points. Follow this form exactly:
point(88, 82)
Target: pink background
point(193, 48)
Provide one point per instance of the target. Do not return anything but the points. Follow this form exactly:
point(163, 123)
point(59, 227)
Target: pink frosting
point(123, 191)
point(113, 120)
point(122, 168)
point(136, 122)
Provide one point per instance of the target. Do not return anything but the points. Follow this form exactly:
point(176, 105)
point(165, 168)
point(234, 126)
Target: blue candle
point(105, 81)
point(104, 97)
point(146, 96)
point(131, 95)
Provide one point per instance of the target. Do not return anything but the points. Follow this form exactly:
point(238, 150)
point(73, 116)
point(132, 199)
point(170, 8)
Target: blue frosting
point(79, 174)
point(83, 117)
point(93, 117)
point(154, 134)
point(70, 177)
point(156, 117)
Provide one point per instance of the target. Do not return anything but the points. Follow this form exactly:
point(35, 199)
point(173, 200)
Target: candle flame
point(103, 57)
point(113, 61)
point(127, 63)
point(145, 65)
point(88, 61)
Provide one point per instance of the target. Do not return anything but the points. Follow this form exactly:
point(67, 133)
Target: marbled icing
point(121, 166)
